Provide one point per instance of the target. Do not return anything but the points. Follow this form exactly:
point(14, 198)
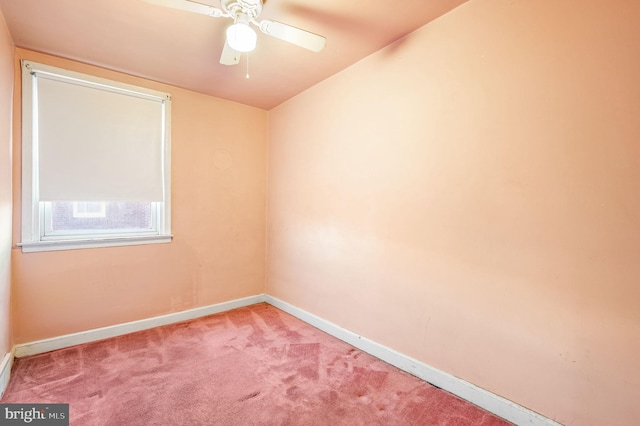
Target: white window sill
point(29, 247)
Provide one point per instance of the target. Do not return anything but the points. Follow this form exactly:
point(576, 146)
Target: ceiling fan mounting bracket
point(251, 8)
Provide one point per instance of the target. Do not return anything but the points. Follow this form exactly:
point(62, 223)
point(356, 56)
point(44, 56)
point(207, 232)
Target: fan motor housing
point(251, 8)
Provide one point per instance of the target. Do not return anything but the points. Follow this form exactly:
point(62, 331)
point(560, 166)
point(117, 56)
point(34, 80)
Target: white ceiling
point(183, 49)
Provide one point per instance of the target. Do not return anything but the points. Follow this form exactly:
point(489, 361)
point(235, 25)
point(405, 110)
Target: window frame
point(33, 210)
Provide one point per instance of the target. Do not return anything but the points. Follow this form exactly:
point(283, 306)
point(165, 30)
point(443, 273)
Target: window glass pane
point(89, 209)
point(117, 216)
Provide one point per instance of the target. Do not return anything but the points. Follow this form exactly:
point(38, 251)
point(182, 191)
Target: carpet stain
point(329, 397)
point(293, 393)
point(95, 395)
point(250, 396)
point(304, 358)
point(289, 379)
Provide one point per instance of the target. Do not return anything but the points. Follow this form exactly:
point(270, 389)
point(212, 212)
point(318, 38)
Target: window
point(83, 209)
point(95, 161)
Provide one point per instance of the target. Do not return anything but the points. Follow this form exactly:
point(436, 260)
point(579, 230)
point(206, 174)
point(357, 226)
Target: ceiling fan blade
point(293, 35)
point(229, 56)
point(189, 6)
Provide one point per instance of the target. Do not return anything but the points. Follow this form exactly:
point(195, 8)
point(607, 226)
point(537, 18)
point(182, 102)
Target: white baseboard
point(491, 402)
point(5, 371)
point(46, 345)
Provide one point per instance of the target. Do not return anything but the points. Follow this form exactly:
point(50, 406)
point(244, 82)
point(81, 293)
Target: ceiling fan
point(240, 36)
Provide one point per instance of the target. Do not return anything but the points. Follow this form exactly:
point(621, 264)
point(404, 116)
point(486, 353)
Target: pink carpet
point(250, 366)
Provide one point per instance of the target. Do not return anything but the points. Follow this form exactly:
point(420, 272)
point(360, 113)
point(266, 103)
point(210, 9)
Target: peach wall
point(218, 210)
point(6, 98)
point(470, 196)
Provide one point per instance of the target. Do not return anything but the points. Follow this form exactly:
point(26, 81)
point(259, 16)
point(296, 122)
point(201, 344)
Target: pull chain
point(247, 76)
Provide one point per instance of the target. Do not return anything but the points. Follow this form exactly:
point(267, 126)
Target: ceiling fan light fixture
point(240, 36)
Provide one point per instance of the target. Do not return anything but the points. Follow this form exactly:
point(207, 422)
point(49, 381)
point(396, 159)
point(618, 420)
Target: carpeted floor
point(250, 366)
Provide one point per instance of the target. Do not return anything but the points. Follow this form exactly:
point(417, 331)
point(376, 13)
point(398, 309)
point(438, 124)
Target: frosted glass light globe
point(241, 37)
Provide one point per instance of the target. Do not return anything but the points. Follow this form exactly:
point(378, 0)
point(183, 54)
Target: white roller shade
point(97, 143)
